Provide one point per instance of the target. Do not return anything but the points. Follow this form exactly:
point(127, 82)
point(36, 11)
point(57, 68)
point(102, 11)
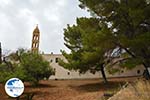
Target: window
point(51, 60)
point(122, 71)
point(37, 38)
point(138, 71)
point(68, 73)
point(56, 60)
point(93, 72)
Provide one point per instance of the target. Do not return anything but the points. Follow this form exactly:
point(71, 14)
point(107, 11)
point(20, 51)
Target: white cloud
point(51, 16)
point(61, 2)
point(34, 1)
point(19, 18)
point(26, 14)
point(4, 3)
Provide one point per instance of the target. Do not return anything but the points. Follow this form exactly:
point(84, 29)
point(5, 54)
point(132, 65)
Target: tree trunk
point(103, 74)
point(146, 73)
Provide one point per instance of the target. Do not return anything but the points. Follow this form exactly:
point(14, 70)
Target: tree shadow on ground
point(29, 95)
point(93, 87)
point(40, 86)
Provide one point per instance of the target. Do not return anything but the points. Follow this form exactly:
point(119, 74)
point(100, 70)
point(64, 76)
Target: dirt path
point(68, 89)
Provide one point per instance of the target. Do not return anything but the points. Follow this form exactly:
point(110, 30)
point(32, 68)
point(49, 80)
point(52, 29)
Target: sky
point(18, 19)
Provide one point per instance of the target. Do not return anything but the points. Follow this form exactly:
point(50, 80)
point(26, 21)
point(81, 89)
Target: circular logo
point(14, 87)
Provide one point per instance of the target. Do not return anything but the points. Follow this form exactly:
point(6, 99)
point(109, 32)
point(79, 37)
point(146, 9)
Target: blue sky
point(20, 17)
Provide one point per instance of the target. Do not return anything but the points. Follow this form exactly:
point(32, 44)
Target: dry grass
point(69, 89)
point(139, 90)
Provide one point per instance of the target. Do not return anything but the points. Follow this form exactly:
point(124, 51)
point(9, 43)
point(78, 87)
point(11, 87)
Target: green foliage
point(113, 70)
point(116, 24)
point(27, 66)
point(6, 73)
point(130, 63)
point(35, 67)
point(131, 21)
point(88, 42)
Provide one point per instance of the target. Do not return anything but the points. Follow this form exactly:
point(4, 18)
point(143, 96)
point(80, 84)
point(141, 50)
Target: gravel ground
point(67, 89)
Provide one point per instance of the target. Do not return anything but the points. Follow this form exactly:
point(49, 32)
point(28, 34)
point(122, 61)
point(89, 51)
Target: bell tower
point(35, 40)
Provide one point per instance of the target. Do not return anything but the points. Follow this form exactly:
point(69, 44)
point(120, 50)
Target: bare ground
point(68, 89)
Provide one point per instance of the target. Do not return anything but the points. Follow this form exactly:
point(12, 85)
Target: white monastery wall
point(62, 73)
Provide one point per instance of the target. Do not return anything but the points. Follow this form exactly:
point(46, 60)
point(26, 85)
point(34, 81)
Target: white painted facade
point(62, 73)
